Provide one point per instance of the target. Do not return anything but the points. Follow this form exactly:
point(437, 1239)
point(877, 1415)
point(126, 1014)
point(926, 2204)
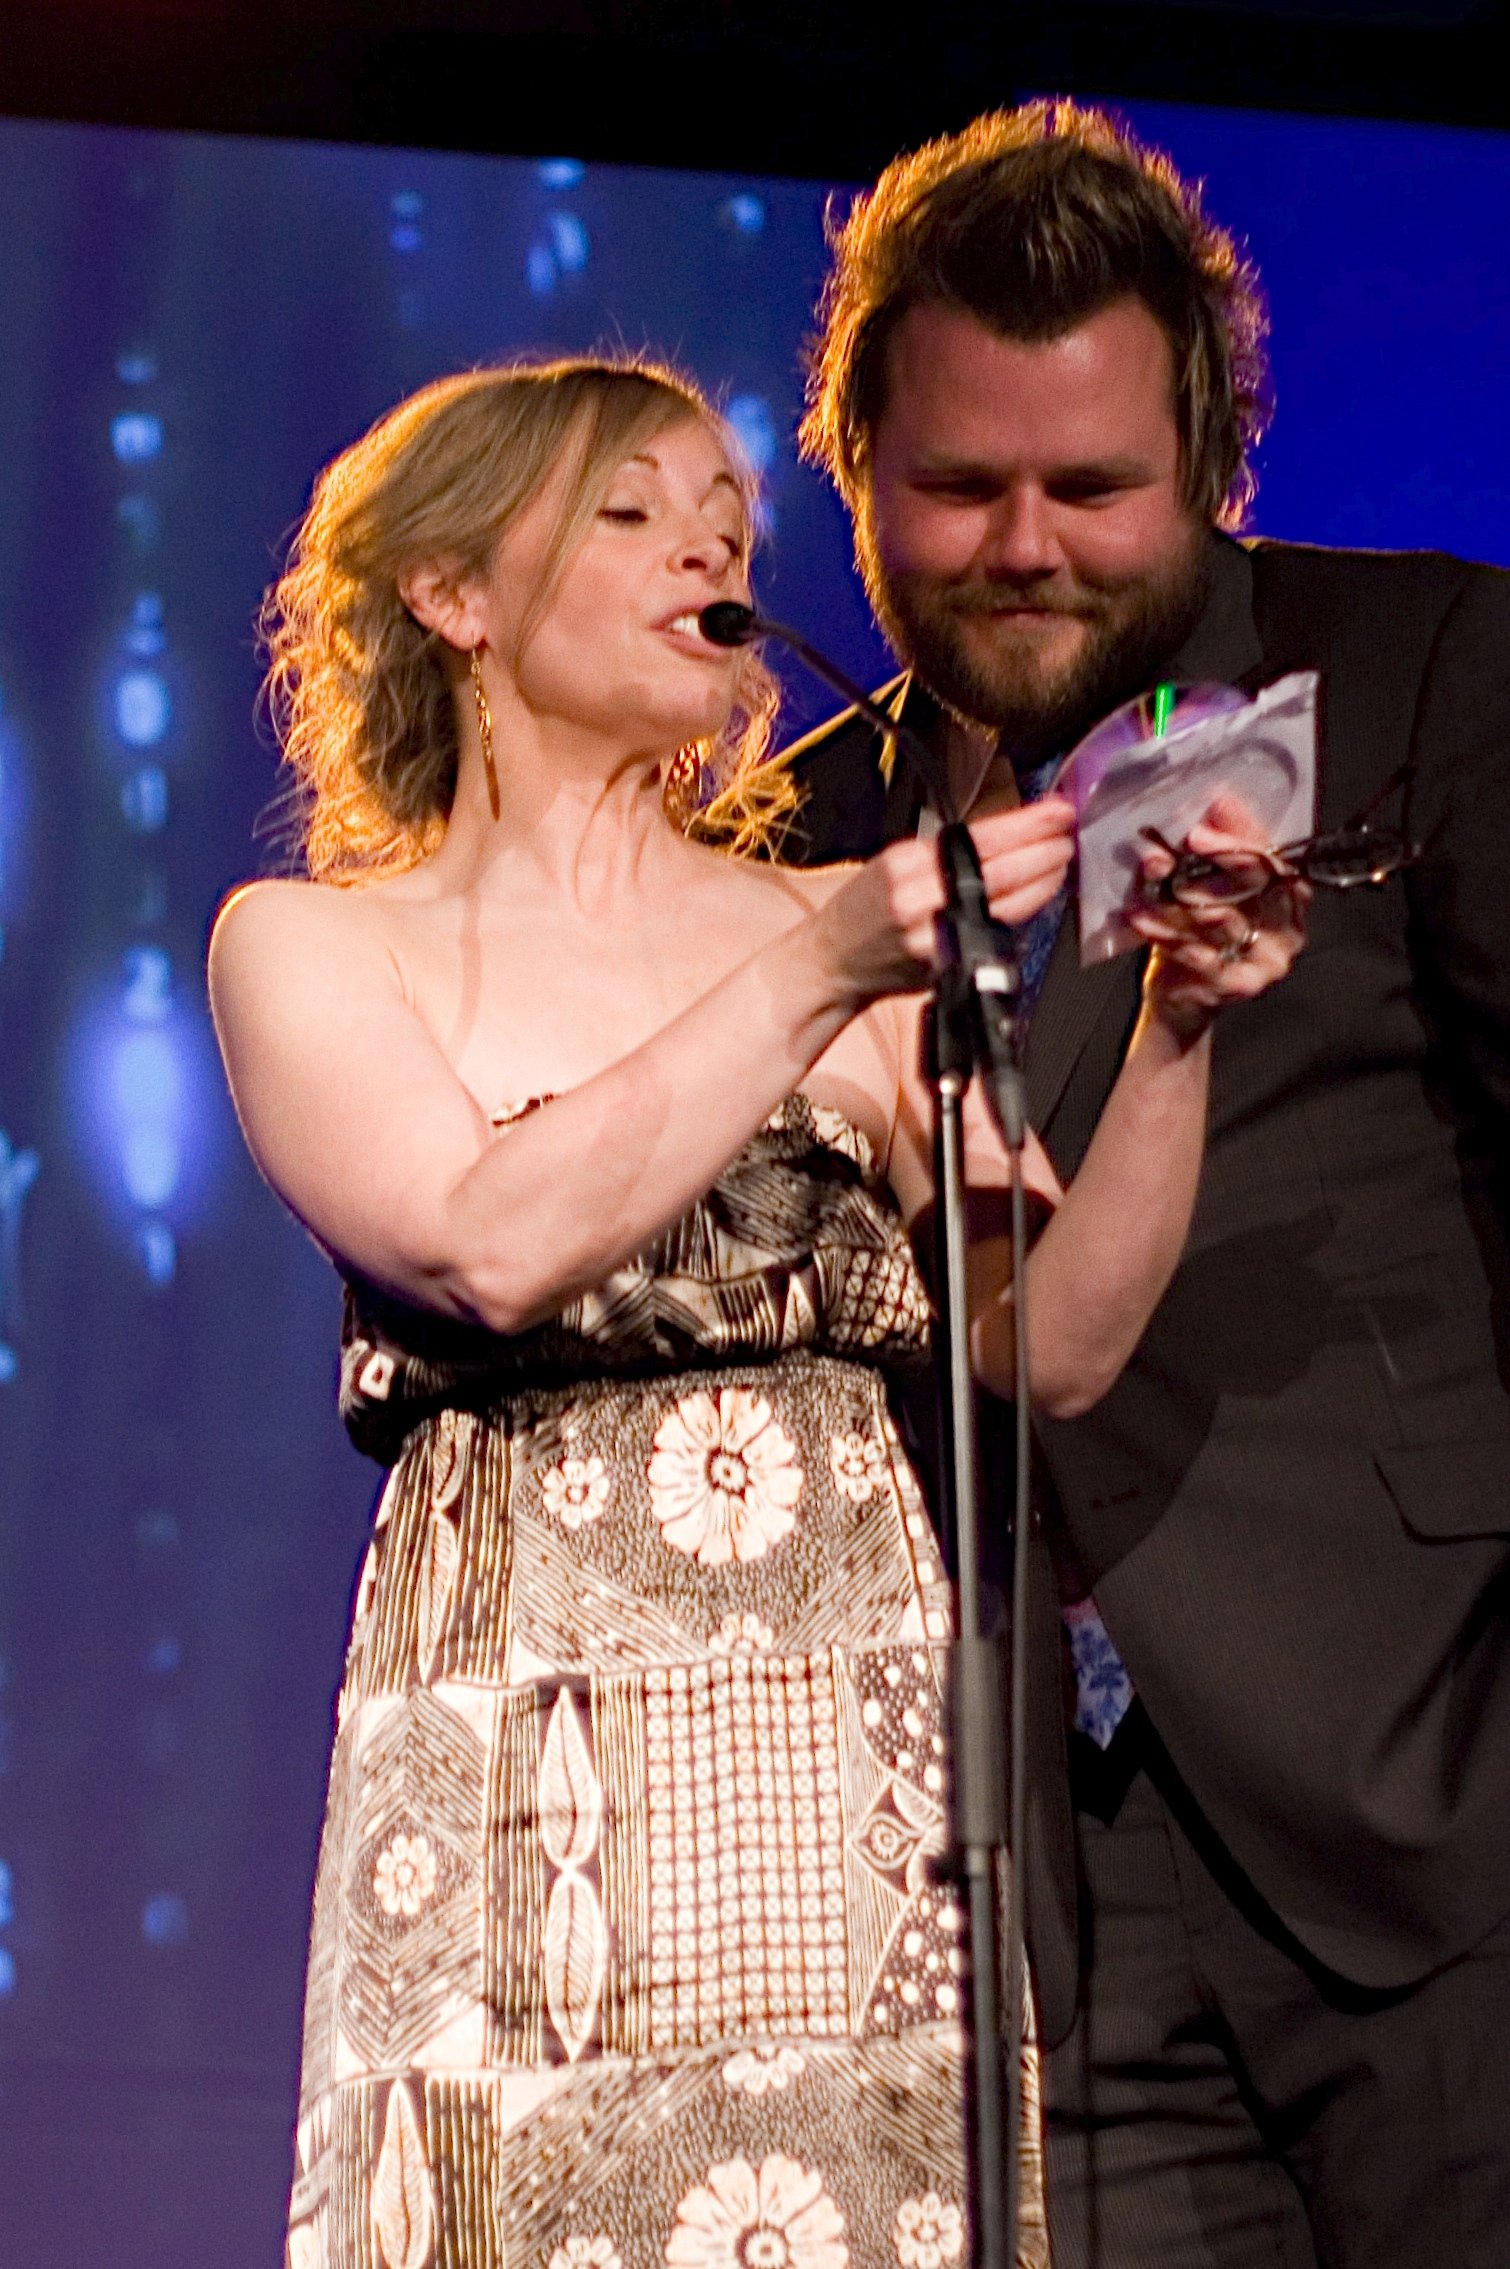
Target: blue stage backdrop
point(188, 329)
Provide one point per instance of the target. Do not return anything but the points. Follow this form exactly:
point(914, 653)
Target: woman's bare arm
point(360, 1124)
point(1111, 1245)
point(363, 1128)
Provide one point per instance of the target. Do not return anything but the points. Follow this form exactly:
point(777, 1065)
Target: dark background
point(787, 86)
point(191, 321)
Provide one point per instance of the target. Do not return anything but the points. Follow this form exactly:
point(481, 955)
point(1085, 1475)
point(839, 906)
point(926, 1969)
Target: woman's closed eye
point(628, 515)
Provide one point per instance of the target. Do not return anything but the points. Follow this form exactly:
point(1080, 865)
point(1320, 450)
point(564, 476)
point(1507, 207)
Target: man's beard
point(1131, 632)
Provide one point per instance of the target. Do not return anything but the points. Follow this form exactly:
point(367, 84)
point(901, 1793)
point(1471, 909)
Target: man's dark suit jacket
point(1295, 1503)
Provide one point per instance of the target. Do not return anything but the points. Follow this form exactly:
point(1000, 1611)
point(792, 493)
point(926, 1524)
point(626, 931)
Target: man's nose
point(1021, 539)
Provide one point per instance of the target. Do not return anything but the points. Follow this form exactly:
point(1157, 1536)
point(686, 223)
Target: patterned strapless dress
point(628, 1950)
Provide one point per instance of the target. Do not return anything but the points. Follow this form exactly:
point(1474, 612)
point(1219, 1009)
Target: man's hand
point(1206, 955)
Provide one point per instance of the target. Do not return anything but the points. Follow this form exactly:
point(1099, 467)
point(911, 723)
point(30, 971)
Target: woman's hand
point(1025, 855)
point(1207, 955)
point(880, 929)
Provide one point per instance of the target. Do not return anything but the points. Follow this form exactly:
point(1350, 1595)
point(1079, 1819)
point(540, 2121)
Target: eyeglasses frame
point(1291, 862)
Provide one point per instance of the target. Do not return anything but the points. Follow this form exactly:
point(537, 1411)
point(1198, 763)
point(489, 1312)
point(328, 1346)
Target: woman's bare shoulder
point(288, 923)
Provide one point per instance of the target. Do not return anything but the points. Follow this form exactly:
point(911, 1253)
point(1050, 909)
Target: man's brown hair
point(1032, 220)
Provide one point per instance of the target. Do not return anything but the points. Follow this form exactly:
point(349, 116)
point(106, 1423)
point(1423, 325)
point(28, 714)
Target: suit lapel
point(1076, 1007)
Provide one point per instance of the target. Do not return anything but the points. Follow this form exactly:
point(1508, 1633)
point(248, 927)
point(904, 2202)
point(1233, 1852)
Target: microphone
point(727, 623)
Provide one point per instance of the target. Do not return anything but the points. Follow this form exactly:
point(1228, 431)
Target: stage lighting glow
point(165, 1920)
point(745, 213)
point(145, 1102)
point(146, 1083)
point(404, 236)
point(157, 1250)
point(136, 437)
point(18, 1171)
point(144, 799)
point(561, 173)
point(135, 369)
point(754, 429)
point(149, 1165)
point(540, 271)
point(7, 1917)
point(142, 707)
point(148, 994)
point(145, 635)
point(569, 242)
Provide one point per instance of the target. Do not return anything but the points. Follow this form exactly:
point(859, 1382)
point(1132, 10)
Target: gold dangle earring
point(681, 790)
point(485, 728)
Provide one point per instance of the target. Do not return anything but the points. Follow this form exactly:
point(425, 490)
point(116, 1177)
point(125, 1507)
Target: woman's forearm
point(1108, 1252)
point(571, 1192)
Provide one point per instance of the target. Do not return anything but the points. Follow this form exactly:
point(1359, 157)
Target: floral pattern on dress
point(763, 2066)
point(724, 1477)
point(587, 2253)
point(858, 1464)
point(930, 2232)
point(776, 2216)
point(576, 1491)
point(404, 1877)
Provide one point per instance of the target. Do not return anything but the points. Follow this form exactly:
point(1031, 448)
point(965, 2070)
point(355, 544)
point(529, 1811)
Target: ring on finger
point(1237, 949)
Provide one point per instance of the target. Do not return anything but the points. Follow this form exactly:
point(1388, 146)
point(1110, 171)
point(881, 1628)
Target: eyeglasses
point(1353, 857)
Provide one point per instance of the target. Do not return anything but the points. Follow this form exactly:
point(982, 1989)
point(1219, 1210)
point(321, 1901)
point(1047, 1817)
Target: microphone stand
point(973, 1027)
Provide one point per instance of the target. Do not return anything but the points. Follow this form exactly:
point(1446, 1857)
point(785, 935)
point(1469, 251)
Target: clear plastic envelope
point(1125, 775)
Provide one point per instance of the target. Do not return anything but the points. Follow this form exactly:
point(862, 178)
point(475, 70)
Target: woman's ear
point(442, 599)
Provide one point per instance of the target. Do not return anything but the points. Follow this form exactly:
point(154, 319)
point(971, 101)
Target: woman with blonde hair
point(627, 1949)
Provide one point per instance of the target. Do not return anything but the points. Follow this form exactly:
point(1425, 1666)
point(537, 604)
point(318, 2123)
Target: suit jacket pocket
point(1455, 1488)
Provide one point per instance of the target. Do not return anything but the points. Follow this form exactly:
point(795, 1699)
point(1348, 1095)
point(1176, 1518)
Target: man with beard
point(1269, 1926)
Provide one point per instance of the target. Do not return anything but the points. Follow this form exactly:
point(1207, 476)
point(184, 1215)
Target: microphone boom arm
point(727, 623)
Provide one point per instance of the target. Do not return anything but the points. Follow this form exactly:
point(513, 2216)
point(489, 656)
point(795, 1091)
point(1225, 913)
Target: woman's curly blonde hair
point(358, 690)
